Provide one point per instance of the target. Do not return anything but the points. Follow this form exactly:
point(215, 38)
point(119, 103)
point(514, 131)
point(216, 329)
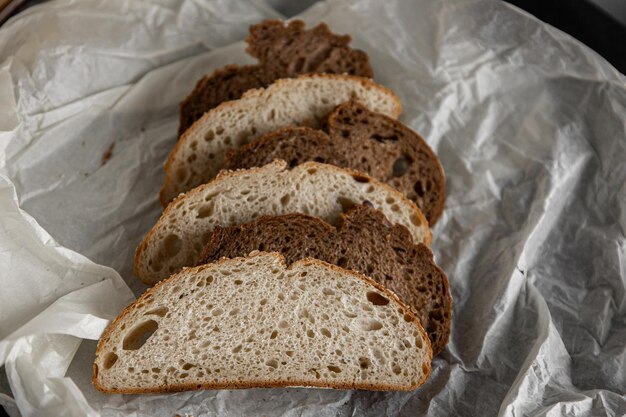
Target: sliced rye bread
point(289, 50)
point(254, 322)
point(365, 242)
point(284, 50)
point(224, 84)
point(321, 190)
point(199, 154)
point(357, 138)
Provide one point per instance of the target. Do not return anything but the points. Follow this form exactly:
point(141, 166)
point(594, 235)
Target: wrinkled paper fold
point(528, 123)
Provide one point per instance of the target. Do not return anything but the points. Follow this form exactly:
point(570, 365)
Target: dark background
point(599, 24)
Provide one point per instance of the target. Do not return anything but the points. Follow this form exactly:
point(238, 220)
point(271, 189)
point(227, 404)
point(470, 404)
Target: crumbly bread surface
point(357, 138)
point(320, 190)
point(253, 322)
point(288, 50)
point(284, 50)
point(199, 154)
point(365, 242)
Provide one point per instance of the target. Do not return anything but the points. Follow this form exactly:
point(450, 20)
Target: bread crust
point(400, 232)
point(275, 383)
point(279, 166)
point(347, 151)
point(278, 85)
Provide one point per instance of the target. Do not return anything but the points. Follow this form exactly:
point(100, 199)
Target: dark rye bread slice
point(364, 242)
point(357, 138)
point(284, 50)
point(288, 50)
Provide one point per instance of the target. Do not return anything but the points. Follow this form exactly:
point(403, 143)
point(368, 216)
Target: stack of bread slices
point(294, 245)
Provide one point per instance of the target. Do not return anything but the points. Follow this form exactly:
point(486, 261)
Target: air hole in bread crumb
point(325, 332)
point(360, 178)
point(272, 363)
point(109, 360)
point(364, 363)
point(407, 317)
point(209, 136)
point(238, 282)
point(416, 220)
point(418, 342)
point(217, 312)
point(284, 200)
point(219, 130)
point(283, 324)
point(289, 353)
point(139, 335)
point(401, 166)
point(334, 369)
point(377, 299)
point(233, 312)
point(274, 334)
point(310, 333)
point(263, 301)
point(205, 210)
point(311, 171)
point(425, 369)
point(395, 208)
point(172, 244)
point(159, 311)
point(237, 349)
point(370, 325)
point(328, 292)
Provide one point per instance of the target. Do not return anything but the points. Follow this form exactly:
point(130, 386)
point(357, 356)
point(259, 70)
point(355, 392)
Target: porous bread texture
point(357, 138)
point(288, 50)
point(365, 242)
point(199, 154)
point(253, 322)
point(284, 50)
point(320, 190)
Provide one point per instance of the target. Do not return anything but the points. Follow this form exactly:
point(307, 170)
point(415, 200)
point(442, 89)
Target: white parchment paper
point(530, 126)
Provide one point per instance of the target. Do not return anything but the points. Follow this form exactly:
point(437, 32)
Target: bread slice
point(199, 154)
point(224, 84)
point(365, 242)
point(234, 197)
point(253, 322)
point(288, 50)
point(355, 137)
point(284, 50)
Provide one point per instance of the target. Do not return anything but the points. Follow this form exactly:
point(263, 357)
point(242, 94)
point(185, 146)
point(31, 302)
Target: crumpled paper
point(530, 127)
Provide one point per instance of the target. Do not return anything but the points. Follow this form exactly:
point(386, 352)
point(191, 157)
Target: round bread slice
point(321, 190)
point(357, 138)
point(284, 49)
point(199, 154)
point(365, 242)
point(253, 322)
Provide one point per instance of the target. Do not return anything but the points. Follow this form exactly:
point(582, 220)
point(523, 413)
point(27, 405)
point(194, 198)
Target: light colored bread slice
point(199, 154)
point(320, 190)
point(253, 322)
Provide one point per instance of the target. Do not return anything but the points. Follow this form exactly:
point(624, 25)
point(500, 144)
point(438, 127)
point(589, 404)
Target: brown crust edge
point(438, 207)
point(278, 165)
point(304, 262)
point(344, 217)
point(200, 84)
point(277, 84)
